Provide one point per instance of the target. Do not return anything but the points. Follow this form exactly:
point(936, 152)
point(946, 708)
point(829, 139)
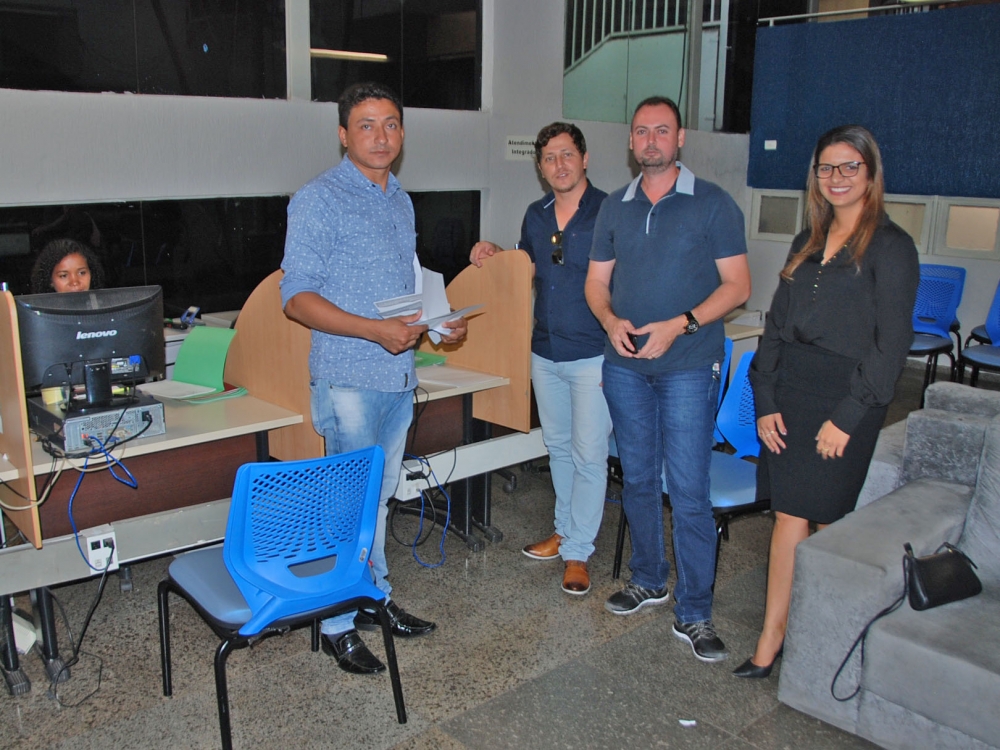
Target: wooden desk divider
point(499, 340)
point(270, 358)
point(270, 354)
point(15, 442)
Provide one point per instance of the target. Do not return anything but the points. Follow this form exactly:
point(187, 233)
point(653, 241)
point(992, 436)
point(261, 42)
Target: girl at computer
point(66, 265)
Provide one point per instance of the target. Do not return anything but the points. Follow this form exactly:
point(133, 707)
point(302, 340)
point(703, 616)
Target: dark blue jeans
point(667, 421)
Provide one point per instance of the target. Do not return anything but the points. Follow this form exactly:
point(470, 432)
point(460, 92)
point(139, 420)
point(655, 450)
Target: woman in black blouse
point(834, 344)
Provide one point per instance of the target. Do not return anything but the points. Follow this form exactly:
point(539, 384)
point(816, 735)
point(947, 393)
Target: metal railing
point(592, 23)
point(919, 6)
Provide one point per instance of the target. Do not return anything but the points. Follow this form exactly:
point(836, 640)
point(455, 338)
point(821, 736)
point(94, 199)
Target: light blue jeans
point(350, 419)
point(575, 430)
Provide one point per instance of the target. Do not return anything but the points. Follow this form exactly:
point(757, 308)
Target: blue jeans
point(575, 429)
point(667, 420)
point(352, 418)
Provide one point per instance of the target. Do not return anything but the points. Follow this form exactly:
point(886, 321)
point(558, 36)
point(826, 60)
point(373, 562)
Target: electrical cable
point(77, 646)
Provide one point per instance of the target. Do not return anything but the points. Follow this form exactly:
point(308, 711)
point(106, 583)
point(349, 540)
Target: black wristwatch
point(692, 325)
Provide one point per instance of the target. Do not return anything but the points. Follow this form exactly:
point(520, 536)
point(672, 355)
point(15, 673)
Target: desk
point(177, 505)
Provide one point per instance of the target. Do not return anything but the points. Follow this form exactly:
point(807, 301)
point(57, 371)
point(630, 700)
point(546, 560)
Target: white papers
point(173, 389)
point(430, 300)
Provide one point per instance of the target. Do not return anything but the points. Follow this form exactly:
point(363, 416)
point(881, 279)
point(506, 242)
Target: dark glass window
point(188, 47)
point(432, 48)
point(207, 252)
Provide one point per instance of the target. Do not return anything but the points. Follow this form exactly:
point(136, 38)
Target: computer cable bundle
point(77, 645)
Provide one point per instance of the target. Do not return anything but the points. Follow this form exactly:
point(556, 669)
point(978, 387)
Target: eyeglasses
point(847, 169)
point(557, 251)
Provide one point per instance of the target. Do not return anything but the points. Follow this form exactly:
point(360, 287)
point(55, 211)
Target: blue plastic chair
point(934, 315)
point(296, 551)
point(987, 354)
point(733, 481)
point(979, 333)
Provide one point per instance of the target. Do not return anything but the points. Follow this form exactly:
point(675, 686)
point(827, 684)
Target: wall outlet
point(101, 547)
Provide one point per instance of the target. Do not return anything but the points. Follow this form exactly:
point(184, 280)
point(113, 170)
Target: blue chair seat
point(926, 343)
point(979, 334)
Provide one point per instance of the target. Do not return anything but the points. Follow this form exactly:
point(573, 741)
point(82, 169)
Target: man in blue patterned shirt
point(351, 242)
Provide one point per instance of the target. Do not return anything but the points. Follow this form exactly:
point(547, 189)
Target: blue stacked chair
point(934, 317)
point(298, 540)
point(979, 333)
point(985, 354)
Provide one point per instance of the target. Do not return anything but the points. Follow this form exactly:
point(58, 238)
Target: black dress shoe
point(753, 672)
point(404, 624)
point(351, 653)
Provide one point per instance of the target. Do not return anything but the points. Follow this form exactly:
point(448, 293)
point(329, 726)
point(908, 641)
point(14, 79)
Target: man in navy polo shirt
point(567, 348)
point(673, 246)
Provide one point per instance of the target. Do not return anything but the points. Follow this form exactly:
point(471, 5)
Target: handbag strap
point(862, 636)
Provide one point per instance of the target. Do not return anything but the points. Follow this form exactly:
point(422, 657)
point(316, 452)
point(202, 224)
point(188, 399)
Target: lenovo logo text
point(80, 335)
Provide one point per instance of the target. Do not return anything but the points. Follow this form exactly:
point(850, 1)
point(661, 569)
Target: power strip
point(25, 634)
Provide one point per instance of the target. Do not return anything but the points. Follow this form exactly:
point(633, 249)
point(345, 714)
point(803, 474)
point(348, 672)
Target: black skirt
point(798, 481)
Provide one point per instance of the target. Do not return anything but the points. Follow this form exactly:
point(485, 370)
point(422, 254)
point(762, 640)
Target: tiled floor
point(514, 663)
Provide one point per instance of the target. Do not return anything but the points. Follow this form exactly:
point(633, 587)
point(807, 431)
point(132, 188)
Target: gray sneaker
point(632, 598)
point(704, 641)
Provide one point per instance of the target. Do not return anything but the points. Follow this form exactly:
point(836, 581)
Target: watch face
point(692, 326)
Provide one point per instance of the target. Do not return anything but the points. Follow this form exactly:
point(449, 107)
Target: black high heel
point(753, 672)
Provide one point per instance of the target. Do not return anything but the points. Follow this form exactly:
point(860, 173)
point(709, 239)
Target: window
point(968, 228)
point(187, 47)
point(776, 215)
point(915, 215)
point(429, 51)
point(208, 252)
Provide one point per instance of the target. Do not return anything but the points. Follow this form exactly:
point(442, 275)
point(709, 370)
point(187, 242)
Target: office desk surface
point(445, 381)
point(191, 424)
point(156, 533)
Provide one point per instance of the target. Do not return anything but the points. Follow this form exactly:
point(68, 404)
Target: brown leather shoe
point(576, 579)
point(547, 550)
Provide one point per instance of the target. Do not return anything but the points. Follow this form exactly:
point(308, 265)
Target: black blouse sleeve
point(896, 272)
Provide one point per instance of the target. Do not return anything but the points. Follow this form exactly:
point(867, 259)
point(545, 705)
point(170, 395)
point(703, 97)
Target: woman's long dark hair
point(820, 210)
point(50, 257)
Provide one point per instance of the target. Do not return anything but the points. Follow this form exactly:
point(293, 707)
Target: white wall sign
point(520, 148)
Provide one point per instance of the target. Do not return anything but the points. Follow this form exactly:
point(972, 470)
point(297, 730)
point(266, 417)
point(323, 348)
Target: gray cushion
point(883, 472)
point(943, 445)
point(962, 398)
point(981, 537)
point(943, 663)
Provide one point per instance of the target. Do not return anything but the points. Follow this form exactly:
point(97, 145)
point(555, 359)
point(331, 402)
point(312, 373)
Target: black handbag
point(944, 577)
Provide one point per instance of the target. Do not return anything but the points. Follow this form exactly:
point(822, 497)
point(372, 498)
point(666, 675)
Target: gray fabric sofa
point(930, 679)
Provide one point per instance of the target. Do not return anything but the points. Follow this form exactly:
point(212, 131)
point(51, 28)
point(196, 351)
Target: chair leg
point(222, 692)
point(164, 611)
point(390, 655)
point(974, 378)
point(314, 629)
point(620, 542)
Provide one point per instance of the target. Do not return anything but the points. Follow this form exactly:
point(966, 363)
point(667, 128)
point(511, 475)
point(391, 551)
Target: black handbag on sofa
point(944, 577)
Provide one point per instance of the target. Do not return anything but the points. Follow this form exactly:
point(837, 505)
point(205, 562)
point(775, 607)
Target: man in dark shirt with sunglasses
point(567, 349)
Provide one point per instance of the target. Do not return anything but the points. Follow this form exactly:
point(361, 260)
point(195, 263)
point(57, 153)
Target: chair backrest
point(299, 531)
point(737, 420)
point(723, 383)
point(993, 318)
point(938, 296)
